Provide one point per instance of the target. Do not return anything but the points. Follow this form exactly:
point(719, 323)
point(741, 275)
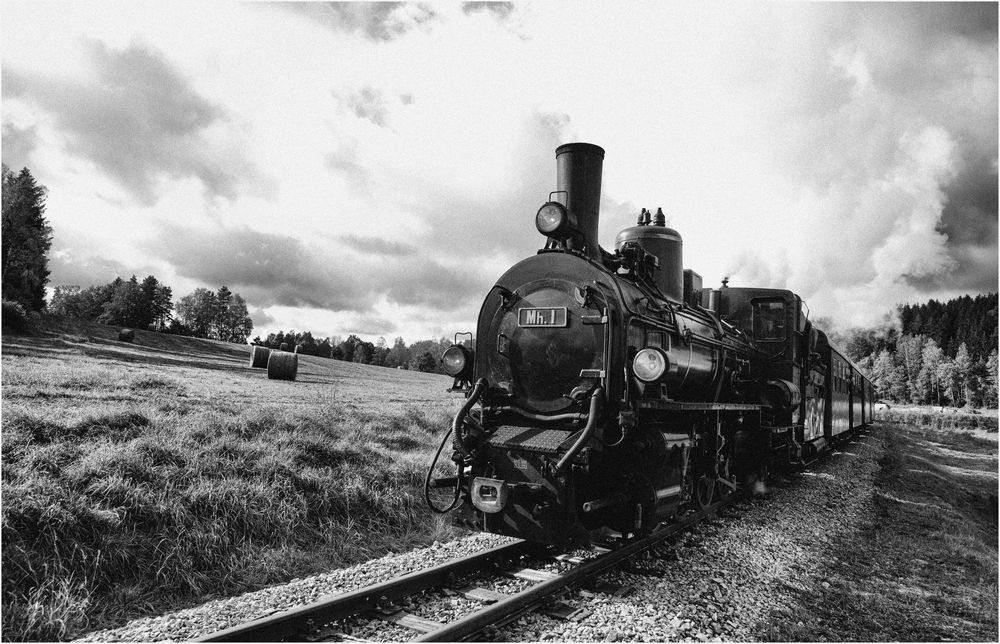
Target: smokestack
point(578, 174)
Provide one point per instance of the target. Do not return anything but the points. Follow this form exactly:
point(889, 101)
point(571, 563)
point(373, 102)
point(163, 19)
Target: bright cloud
point(372, 168)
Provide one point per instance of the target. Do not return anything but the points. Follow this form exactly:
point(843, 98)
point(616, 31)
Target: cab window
point(769, 320)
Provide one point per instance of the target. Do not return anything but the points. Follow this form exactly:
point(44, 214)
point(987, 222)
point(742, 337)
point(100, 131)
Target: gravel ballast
point(725, 580)
point(729, 578)
point(220, 614)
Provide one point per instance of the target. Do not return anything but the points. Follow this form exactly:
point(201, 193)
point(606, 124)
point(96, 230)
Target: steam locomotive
point(609, 392)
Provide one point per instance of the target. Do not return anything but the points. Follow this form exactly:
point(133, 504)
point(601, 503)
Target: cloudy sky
point(373, 168)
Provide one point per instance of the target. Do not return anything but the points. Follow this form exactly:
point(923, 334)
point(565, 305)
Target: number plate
point(542, 317)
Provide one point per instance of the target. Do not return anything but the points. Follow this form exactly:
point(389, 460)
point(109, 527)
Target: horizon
point(371, 169)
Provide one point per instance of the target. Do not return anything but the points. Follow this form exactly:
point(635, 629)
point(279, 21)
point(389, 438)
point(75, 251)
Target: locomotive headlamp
point(649, 365)
point(554, 220)
point(456, 360)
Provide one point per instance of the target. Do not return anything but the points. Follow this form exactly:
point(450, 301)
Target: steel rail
point(297, 622)
point(293, 622)
point(507, 609)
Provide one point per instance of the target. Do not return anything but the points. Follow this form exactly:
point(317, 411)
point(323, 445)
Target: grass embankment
point(136, 481)
point(924, 568)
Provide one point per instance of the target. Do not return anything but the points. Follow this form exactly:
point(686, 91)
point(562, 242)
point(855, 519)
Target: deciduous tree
point(928, 378)
point(197, 311)
point(426, 362)
point(963, 374)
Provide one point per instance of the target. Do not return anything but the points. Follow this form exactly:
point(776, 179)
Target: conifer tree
point(26, 239)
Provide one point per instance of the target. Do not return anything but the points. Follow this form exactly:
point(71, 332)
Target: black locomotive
point(609, 392)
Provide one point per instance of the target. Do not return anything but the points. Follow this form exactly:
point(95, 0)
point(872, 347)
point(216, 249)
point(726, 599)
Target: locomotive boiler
point(608, 391)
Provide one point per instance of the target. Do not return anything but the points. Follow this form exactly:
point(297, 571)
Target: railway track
point(313, 622)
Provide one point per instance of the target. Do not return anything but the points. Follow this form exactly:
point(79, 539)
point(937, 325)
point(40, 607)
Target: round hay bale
point(283, 346)
point(258, 357)
point(126, 335)
point(298, 348)
point(282, 366)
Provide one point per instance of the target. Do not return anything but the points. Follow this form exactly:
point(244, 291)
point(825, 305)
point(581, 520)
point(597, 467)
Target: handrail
point(539, 417)
point(588, 431)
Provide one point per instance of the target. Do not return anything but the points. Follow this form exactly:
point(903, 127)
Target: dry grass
point(943, 418)
point(142, 477)
point(924, 568)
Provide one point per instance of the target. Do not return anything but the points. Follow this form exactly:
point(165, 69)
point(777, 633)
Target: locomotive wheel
point(704, 490)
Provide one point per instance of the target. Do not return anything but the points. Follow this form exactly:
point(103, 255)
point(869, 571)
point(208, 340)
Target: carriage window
point(769, 320)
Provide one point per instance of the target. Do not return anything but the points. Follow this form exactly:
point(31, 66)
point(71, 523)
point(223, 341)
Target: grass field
point(924, 567)
point(139, 477)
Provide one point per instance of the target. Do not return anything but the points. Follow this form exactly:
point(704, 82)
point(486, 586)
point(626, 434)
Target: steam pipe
point(588, 431)
point(459, 422)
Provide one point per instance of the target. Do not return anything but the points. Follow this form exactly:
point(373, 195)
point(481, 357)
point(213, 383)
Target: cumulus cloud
point(378, 246)
point(75, 267)
point(371, 105)
point(271, 269)
point(844, 150)
point(268, 269)
point(18, 144)
point(889, 135)
point(377, 21)
point(345, 161)
point(372, 325)
point(138, 120)
point(261, 318)
point(464, 223)
point(499, 9)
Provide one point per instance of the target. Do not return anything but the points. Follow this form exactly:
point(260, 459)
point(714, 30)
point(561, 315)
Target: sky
point(373, 168)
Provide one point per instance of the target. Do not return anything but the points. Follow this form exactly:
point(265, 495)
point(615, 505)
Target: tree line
point(26, 240)
point(218, 315)
point(942, 354)
point(424, 355)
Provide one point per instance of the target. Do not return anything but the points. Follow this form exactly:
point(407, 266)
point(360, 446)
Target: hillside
point(140, 477)
point(966, 319)
point(219, 369)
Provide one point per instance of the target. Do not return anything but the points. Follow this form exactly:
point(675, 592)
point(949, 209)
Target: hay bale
point(298, 348)
point(282, 366)
point(258, 357)
point(126, 335)
point(283, 346)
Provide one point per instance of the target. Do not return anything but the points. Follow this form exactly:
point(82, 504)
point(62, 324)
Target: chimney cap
point(580, 147)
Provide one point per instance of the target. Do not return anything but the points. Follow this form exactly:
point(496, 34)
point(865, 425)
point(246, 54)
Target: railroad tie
point(573, 559)
point(612, 588)
point(411, 621)
point(531, 574)
point(565, 611)
point(484, 595)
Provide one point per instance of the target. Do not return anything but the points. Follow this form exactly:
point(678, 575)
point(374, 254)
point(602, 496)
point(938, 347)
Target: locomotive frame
point(609, 392)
